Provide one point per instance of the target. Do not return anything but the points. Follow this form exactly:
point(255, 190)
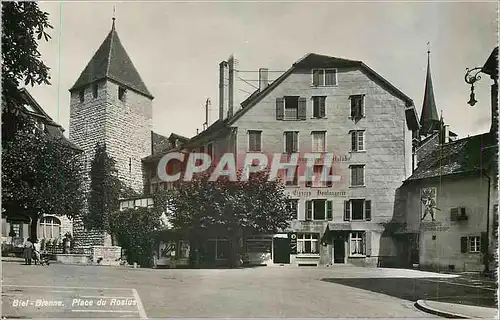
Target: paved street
point(252, 292)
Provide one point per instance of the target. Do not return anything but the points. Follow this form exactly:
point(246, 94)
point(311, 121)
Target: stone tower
point(110, 104)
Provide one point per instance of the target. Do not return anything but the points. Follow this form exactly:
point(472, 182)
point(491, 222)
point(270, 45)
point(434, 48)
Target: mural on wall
point(428, 197)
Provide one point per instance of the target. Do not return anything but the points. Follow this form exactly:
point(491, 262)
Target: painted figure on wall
point(428, 197)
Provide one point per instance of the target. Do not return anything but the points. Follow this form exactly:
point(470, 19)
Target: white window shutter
point(368, 243)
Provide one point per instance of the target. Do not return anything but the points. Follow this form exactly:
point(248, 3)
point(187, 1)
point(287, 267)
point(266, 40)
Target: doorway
point(338, 251)
point(281, 252)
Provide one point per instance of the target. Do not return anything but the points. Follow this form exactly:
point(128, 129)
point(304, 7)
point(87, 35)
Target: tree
point(23, 25)
point(234, 209)
point(134, 231)
point(106, 189)
point(40, 175)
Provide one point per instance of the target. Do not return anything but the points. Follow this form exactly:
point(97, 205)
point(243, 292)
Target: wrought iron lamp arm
point(471, 76)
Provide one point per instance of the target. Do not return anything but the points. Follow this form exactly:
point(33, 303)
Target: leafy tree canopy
point(133, 229)
point(226, 208)
point(40, 175)
point(23, 24)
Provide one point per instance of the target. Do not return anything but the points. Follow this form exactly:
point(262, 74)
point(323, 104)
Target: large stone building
point(321, 104)
point(111, 105)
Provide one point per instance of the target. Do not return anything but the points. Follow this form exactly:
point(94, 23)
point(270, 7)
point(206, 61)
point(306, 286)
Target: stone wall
point(440, 244)
point(125, 128)
point(387, 158)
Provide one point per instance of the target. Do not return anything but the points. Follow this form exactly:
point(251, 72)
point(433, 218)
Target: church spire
point(113, 25)
point(429, 119)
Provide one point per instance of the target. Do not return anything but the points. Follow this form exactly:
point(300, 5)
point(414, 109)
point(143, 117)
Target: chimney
point(230, 95)
point(415, 161)
point(223, 86)
point(263, 78)
point(446, 133)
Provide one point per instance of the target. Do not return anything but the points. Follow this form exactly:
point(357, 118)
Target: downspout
point(487, 242)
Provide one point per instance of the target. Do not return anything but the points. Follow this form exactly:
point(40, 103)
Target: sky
point(177, 47)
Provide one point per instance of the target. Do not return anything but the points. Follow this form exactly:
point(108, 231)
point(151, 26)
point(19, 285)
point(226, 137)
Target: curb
point(422, 306)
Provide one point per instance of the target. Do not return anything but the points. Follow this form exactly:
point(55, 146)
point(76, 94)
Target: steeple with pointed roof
point(429, 119)
point(112, 62)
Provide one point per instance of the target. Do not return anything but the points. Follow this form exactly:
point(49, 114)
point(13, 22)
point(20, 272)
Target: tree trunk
point(34, 227)
point(235, 251)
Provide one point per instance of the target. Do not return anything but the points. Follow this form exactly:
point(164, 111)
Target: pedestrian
point(28, 251)
point(36, 250)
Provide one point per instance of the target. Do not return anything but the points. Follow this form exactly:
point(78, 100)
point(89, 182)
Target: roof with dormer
point(112, 62)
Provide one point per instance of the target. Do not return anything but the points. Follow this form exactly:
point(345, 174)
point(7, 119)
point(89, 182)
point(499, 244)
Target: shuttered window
point(357, 210)
point(357, 106)
point(291, 141)
point(318, 141)
point(319, 107)
point(368, 210)
point(308, 210)
point(319, 209)
point(318, 77)
point(357, 140)
point(254, 141)
point(293, 207)
point(302, 112)
point(463, 244)
point(357, 175)
point(324, 77)
point(329, 210)
point(280, 108)
point(330, 77)
point(291, 108)
point(347, 210)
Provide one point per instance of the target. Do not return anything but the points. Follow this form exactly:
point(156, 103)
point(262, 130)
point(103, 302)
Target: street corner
point(70, 302)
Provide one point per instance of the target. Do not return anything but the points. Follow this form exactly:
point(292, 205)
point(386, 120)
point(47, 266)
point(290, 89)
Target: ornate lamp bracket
point(471, 76)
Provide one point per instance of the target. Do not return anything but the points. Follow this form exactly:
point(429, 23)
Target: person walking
point(28, 251)
point(37, 250)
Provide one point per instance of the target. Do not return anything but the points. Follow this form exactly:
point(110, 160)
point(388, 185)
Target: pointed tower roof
point(429, 119)
point(111, 61)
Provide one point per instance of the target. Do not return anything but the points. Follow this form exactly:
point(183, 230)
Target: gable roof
point(309, 61)
point(313, 60)
point(111, 61)
point(460, 156)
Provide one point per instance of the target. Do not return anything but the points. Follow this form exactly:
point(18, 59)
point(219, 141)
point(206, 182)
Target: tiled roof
point(111, 61)
point(313, 60)
point(460, 156)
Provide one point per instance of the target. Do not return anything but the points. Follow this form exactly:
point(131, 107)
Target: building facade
point(16, 227)
point(322, 105)
point(111, 105)
point(451, 200)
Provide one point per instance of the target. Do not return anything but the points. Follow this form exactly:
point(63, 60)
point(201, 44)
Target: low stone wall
point(106, 255)
point(73, 258)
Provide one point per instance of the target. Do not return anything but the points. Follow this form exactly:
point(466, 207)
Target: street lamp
point(471, 76)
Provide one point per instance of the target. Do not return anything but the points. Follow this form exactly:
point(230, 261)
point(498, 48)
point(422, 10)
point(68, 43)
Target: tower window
point(122, 93)
point(94, 90)
point(82, 95)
